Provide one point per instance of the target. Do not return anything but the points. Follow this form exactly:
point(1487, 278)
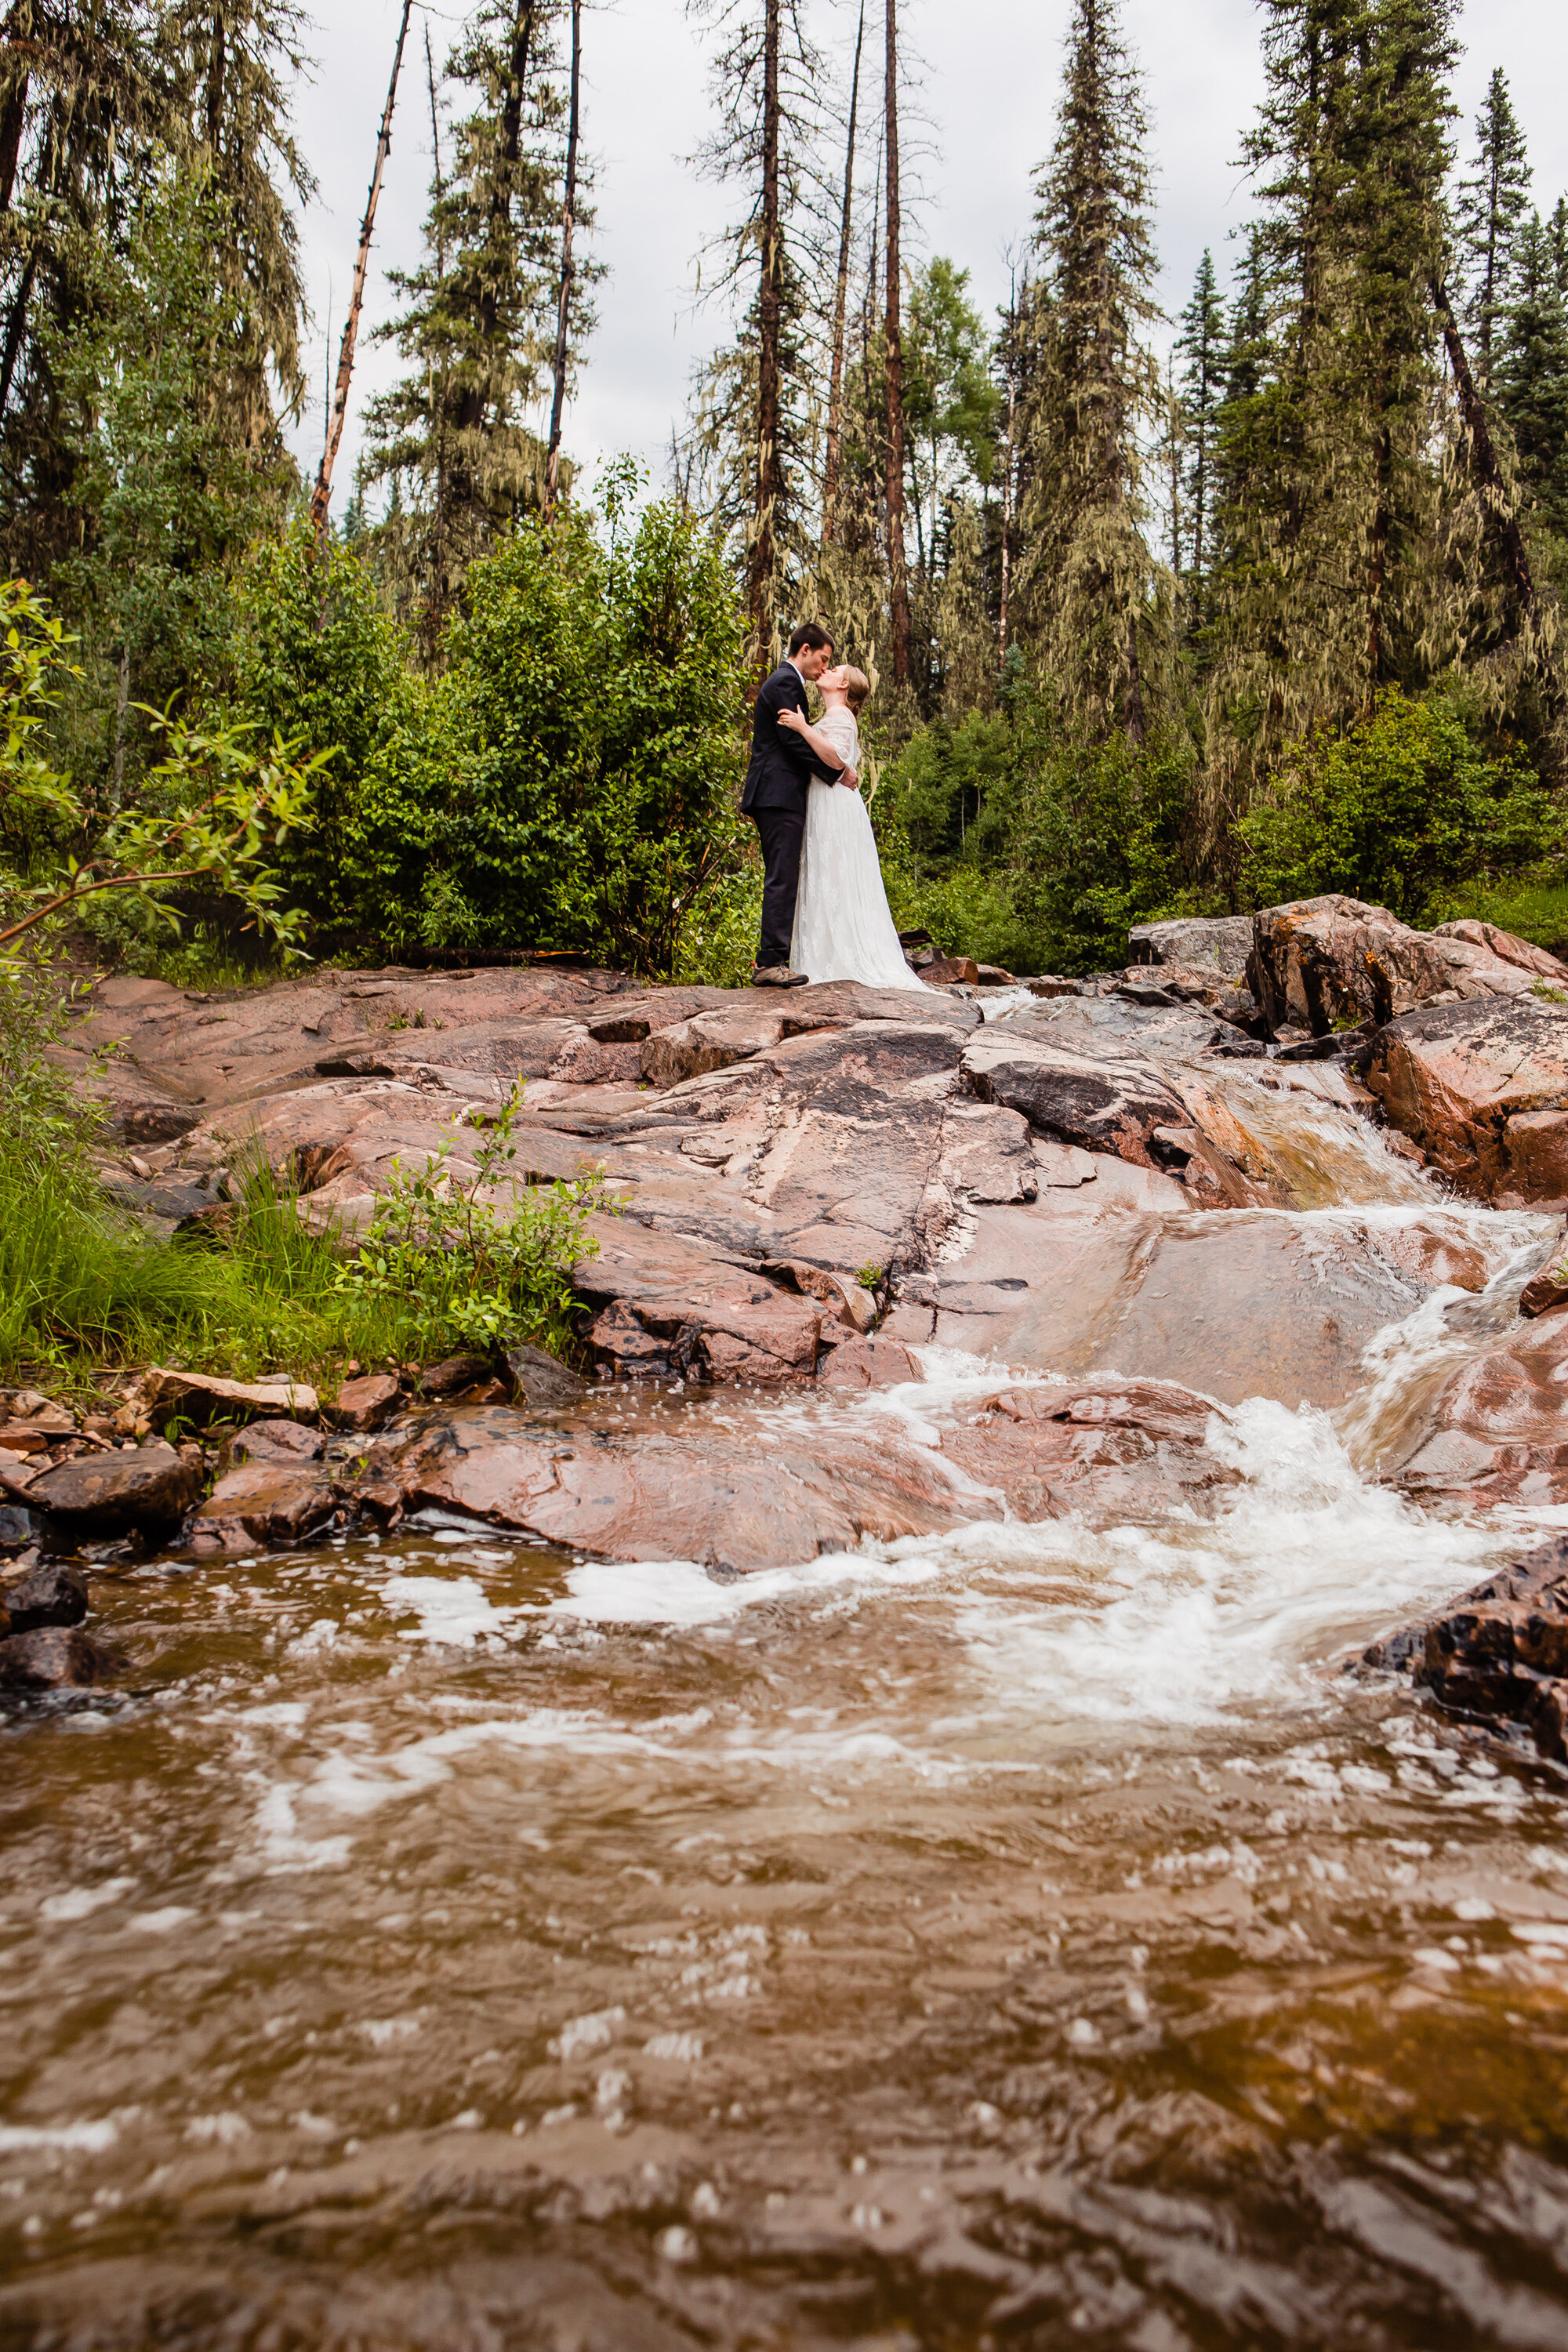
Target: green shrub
point(566, 784)
point(1399, 810)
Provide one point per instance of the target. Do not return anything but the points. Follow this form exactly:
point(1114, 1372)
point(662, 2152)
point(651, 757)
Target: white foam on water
point(680, 1592)
point(451, 1610)
point(88, 2139)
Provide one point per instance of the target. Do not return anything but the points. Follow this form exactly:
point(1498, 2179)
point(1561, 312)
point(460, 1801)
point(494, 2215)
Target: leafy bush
point(1010, 841)
point(1399, 811)
point(453, 1269)
point(567, 782)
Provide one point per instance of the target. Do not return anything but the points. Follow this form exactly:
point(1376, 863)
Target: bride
point(843, 930)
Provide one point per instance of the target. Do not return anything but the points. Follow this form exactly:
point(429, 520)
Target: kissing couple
point(825, 910)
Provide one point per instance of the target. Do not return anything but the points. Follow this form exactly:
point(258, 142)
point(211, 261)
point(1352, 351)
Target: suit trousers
point(781, 832)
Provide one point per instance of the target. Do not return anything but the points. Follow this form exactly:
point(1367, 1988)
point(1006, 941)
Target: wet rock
point(1498, 1431)
point(44, 1596)
point(22, 1529)
point(1482, 1089)
point(1111, 1450)
point(55, 1657)
point(728, 1497)
point(866, 1361)
point(1065, 1087)
point(1546, 1292)
point(1223, 942)
point(198, 1398)
point(537, 1380)
point(273, 1441)
point(453, 1374)
point(364, 1403)
point(1500, 1654)
point(262, 1503)
point(149, 1489)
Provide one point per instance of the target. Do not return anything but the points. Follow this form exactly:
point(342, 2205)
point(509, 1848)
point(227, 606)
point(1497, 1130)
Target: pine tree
point(1531, 377)
point(756, 425)
point(1200, 346)
point(1090, 592)
point(479, 318)
point(1331, 560)
point(1489, 215)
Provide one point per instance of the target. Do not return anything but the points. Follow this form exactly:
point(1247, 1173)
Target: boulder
point(946, 972)
point(1223, 942)
point(1481, 1088)
point(263, 1503)
point(1322, 964)
point(1499, 1654)
point(44, 1596)
point(1496, 1432)
point(364, 1403)
point(453, 1374)
point(147, 1490)
point(1066, 1087)
point(539, 1382)
point(197, 1398)
point(55, 1657)
point(711, 1041)
point(23, 1530)
point(273, 1441)
point(865, 1361)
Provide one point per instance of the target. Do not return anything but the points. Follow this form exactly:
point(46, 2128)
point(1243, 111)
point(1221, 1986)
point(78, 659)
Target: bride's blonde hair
point(857, 690)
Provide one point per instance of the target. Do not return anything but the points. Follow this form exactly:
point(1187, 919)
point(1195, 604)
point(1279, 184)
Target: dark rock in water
point(1482, 1089)
point(273, 1441)
point(1337, 1046)
point(112, 1494)
point(539, 1381)
point(264, 1503)
point(1102, 1101)
point(20, 1528)
point(364, 1403)
point(453, 1374)
point(44, 1596)
point(55, 1657)
point(1500, 1654)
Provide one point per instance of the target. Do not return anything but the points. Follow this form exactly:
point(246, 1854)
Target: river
point(1020, 1938)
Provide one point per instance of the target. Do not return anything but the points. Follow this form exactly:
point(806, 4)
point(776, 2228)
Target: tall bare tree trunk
point(14, 115)
point(437, 401)
point(568, 211)
point(320, 497)
point(898, 579)
point(509, 150)
point(1009, 461)
point(835, 465)
point(770, 309)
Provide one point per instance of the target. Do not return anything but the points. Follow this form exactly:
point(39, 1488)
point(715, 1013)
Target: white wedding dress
point(843, 930)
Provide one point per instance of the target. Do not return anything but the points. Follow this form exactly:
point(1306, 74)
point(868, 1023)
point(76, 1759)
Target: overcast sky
point(988, 73)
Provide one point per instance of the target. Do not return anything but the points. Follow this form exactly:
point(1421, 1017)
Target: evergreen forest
point(1155, 626)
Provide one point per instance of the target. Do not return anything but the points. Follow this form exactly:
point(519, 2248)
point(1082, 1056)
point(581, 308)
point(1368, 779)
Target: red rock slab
point(263, 1502)
point(743, 1498)
point(1482, 1089)
point(1498, 1433)
point(1112, 1452)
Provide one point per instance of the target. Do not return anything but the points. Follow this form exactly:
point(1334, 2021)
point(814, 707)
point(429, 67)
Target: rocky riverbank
point(1205, 1179)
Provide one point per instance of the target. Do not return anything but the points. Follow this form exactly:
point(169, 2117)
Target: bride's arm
point(822, 744)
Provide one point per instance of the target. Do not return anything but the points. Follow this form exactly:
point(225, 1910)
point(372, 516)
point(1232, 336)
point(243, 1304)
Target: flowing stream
point(1028, 1936)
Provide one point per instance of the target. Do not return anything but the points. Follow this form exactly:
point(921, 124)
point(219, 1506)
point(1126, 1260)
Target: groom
point(778, 786)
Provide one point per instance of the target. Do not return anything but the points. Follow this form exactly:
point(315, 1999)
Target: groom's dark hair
point(812, 634)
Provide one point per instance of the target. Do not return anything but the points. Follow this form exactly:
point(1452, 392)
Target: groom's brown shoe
point(778, 975)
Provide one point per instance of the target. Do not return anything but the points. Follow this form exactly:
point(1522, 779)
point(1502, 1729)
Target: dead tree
point(321, 497)
point(835, 459)
point(898, 578)
point(568, 217)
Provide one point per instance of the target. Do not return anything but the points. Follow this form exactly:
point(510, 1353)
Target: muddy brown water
point(1030, 1937)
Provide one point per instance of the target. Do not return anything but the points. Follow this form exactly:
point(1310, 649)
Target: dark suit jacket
point(781, 764)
